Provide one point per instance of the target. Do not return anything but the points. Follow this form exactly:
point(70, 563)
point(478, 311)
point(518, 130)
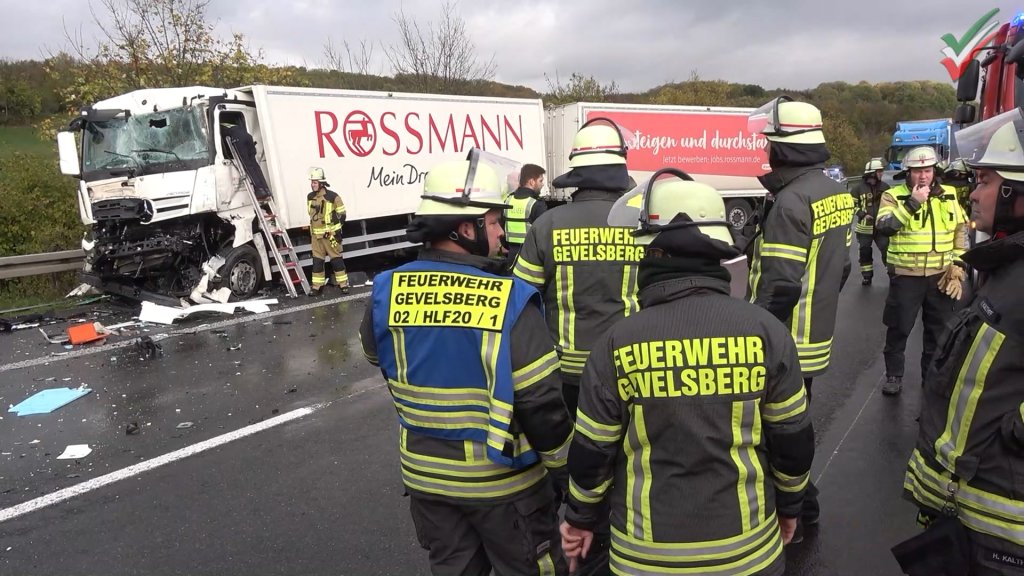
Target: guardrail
point(46, 263)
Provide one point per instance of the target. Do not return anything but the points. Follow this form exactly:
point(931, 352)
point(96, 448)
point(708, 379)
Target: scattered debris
point(235, 347)
point(184, 425)
point(75, 452)
point(46, 401)
point(82, 290)
point(53, 339)
point(74, 475)
point(131, 429)
point(86, 332)
point(148, 348)
point(158, 314)
point(292, 390)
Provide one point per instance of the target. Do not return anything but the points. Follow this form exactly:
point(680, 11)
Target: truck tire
point(242, 272)
point(738, 213)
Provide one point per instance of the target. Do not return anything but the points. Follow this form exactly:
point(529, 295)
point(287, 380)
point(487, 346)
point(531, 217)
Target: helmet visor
point(972, 143)
point(764, 120)
point(632, 209)
point(506, 169)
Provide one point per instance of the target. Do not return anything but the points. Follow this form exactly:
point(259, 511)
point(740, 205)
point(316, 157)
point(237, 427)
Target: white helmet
point(873, 165)
point(598, 142)
point(920, 157)
point(785, 120)
point(462, 188)
point(651, 207)
point(317, 174)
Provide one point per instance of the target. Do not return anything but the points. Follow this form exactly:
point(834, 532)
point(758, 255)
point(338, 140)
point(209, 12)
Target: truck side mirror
point(964, 114)
point(68, 150)
point(967, 86)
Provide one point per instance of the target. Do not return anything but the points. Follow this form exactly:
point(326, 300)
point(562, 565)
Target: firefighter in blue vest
point(484, 433)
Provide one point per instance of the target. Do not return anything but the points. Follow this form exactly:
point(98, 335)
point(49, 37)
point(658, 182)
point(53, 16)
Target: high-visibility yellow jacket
point(326, 212)
point(923, 238)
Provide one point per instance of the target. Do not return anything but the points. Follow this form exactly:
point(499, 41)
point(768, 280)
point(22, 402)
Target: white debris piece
point(75, 452)
point(158, 314)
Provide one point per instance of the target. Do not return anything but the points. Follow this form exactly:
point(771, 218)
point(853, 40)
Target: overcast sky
point(638, 44)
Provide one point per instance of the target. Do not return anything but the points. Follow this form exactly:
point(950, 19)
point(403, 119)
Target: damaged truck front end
point(158, 230)
point(157, 262)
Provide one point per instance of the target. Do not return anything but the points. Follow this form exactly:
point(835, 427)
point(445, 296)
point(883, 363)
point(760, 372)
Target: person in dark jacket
point(800, 257)
point(584, 268)
point(693, 416)
point(473, 374)
point(868, 194)
point(966, 470)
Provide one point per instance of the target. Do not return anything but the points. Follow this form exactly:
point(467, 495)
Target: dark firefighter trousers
point(867, 259)
point(909, 295)
point(514, 538)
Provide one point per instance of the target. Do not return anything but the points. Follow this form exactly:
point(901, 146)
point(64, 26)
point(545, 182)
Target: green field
point(24, 139)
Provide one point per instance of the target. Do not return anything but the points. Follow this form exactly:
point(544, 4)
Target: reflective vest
point(445, 351)
point(326, 212)
point(927, 239)
point(517, 218)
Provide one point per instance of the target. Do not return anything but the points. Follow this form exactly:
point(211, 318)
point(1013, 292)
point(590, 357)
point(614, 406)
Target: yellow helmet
point(598, 142)
point(786, 120)
point(317, 174)
point(651, 207)
point(873, 165)
point(461, 188)
point(920, 157)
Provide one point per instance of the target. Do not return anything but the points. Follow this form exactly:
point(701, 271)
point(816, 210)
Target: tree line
point(153, 43)
point(156, 43)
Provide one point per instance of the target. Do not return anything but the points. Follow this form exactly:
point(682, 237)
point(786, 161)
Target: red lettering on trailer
point(414, 132)
point(362, 132)
point(322, 136)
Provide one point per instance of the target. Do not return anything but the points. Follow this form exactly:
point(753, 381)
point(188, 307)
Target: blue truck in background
point(912, 133)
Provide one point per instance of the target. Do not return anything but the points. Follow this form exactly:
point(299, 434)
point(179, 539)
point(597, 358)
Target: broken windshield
point(166, 141)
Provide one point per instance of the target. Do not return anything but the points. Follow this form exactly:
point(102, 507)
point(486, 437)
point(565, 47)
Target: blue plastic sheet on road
point(46, 401)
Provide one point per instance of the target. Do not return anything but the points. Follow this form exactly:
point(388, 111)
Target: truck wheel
point(737, 213)
point(242, 272)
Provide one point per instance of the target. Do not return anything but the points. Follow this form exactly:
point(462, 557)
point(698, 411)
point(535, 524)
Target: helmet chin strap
point(1005, 222)
point(478, 246)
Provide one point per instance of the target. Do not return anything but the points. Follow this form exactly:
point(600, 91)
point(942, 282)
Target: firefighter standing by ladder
point(474, 378)
point(326, 217)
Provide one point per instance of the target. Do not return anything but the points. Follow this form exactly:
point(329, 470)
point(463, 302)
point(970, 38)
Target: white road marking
point(849, 429)
point(135, 470)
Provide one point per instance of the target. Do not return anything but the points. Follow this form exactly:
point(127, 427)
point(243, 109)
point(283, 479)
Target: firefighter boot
point(893, 385)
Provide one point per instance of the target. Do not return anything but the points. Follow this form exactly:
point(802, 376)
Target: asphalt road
point(290, 466)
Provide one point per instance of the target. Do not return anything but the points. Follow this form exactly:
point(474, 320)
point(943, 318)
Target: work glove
point(952, 281)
